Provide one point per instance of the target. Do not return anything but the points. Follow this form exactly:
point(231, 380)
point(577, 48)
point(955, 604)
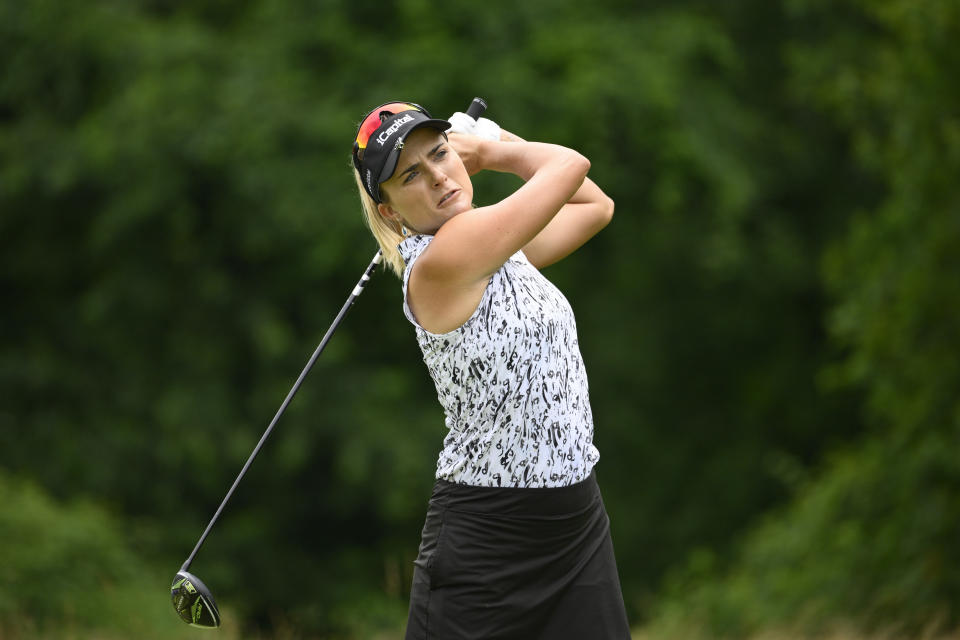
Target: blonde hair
point(387, 233)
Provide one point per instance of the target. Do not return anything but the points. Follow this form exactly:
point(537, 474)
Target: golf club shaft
point(357, 290)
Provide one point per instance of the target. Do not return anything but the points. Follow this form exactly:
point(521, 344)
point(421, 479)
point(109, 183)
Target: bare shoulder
point(440, 299)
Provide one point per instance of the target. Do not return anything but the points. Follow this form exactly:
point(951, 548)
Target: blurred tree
point(179, 226)
point(870, 541)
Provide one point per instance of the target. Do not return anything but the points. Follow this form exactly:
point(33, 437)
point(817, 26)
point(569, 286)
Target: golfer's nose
point(437, 176)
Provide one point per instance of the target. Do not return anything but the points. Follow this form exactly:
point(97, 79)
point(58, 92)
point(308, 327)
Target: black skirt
point(516, 563)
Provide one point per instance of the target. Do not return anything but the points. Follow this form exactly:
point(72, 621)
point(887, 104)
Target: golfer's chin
point(442, 216)
point(462, 202)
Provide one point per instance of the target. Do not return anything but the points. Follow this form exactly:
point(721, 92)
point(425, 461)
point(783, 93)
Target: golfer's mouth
point(450, 195)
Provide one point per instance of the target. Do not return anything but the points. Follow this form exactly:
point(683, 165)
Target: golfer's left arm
point(587, 212)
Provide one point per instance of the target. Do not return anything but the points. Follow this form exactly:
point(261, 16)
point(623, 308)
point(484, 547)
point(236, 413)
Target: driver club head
point(193, 601)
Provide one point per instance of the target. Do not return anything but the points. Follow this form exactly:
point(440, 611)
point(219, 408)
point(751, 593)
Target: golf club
point(191, 598)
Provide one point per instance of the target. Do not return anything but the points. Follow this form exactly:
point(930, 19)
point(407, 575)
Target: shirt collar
point(412, 245)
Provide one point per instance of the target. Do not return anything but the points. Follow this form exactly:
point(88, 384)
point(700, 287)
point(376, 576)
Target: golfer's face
point(430, 184)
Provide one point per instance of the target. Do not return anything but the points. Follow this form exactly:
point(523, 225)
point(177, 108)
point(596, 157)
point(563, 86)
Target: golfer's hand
point(470, 150)
point(482, 127)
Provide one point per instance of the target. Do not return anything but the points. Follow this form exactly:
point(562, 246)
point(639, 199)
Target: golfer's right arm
point(468, 248)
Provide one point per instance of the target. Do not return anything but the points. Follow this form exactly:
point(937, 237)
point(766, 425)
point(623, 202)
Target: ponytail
point(387, 233)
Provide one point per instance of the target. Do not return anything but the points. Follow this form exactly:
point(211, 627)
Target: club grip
point(476, 108)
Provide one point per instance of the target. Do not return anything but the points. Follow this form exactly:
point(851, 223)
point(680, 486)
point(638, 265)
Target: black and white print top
point(511, 382)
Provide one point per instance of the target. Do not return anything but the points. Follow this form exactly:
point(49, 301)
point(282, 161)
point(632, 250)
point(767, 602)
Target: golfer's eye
point(441, 154)
point(410, 176)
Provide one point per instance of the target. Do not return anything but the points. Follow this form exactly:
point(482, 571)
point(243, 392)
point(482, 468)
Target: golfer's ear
point(388, 212)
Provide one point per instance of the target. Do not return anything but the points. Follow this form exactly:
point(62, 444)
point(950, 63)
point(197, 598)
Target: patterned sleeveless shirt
point(511, 382)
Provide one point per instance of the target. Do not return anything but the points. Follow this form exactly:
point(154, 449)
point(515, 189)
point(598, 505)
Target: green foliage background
point(769, 322)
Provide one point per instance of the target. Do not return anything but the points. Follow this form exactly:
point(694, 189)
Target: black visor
point(380, 139)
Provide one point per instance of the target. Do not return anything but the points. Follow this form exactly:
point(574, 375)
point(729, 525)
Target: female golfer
point(516, 542)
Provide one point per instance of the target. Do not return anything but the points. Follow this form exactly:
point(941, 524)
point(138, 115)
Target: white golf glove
point(482, 128)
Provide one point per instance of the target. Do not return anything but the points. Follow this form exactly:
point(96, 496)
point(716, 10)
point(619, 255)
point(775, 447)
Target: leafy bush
point(872, 543)
point(68, 571)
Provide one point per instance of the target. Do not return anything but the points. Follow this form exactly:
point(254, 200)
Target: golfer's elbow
point(576, 167)
point(606, 210)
